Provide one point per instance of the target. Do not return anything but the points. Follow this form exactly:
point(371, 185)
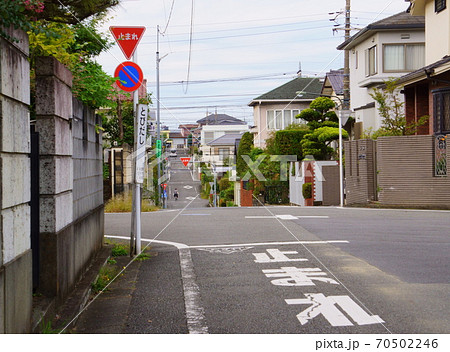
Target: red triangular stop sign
point(127, 38)
point(185, 161)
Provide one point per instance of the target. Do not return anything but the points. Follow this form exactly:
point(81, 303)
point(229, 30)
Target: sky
point(217, 55)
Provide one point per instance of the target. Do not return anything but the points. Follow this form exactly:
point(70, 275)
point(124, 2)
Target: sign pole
point(137, 200)
point(130, 78)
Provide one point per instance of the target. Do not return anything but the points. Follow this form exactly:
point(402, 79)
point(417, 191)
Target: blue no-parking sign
point(130, 76)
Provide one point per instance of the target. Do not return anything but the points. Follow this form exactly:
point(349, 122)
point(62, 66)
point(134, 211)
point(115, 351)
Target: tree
point(245, 147)
point(111, 122)
point(76, 46)
point(324, 128)
point(391, 109)
point(22, 13)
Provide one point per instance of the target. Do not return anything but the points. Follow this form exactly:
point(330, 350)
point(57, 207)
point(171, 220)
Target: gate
point(277, 194)
point(34, 205)
point(117, 170)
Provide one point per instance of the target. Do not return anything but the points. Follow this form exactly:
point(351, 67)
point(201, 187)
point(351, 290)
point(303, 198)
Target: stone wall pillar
point(15, 252)
point(54, 124)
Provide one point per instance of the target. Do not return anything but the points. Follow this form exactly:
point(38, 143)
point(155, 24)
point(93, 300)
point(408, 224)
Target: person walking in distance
point(175, 194)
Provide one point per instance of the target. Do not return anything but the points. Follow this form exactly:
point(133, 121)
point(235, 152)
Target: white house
point(385, 49)
point(215, 126)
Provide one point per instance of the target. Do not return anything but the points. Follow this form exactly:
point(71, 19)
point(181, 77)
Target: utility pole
point(346, 105)
point(158, 131)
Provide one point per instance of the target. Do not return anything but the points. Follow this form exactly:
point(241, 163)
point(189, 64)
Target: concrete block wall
point(53, 122)
point(15, 252)
point(71, 184)
point(360, 171)
point(87, 184)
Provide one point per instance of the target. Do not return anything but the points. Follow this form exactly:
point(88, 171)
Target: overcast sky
point(243, 48)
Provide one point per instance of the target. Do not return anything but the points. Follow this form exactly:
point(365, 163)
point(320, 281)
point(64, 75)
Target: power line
point(190, 47)
point(168, 20)
point(243, 35)
point(234, 79)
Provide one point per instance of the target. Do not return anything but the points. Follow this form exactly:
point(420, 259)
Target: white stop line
point(287, 217)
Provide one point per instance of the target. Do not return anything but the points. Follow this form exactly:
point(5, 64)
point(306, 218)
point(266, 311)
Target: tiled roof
point(226, 139)
point(402, 20)
point(424, 70)
point(336, 79)
point(220, 119)
point(289, 90)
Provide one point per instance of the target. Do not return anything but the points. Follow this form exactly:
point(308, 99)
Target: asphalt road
point(288, 269)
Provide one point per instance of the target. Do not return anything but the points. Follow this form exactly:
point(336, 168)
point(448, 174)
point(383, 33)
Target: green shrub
point(307, 190)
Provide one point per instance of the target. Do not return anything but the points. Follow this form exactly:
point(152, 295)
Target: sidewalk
point(147, 297)
point(107, 312)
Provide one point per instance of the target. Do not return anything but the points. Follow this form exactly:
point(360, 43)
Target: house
point(333, 85)
point(215, 126)
point(219, 119)
point(221, 149)
point(275, 110)
point(191, 129)
point(177, 140)
point(427, 90)
point(385, 49)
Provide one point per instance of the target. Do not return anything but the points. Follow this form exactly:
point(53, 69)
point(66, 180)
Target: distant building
point(220, 119)
point(275, 110)
point(217, 125)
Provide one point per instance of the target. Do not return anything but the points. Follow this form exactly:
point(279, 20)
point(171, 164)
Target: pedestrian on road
point(175, 194)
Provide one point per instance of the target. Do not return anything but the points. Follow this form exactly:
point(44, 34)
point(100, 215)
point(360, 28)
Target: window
point(441, 110)
point(209, 136)
point(287, 117)
point(280, 119)
point(439, 5)
point(271, 120)
point(403, 57)
point(224, 153)
point(371, 61)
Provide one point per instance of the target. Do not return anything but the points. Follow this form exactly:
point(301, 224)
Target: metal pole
point(158, 131)
point(137, 193)
point(215, 188)
point(341, 166)
point(346, 90)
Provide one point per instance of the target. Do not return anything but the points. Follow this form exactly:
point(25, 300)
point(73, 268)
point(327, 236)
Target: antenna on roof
point(299, 72)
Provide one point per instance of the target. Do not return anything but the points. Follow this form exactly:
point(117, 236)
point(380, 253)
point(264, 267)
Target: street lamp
point(343, 116)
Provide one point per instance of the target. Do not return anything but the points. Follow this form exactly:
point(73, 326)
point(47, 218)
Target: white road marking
point(196, 321)
point(194, 214)
point(276, 256)
point(225, 250)
point(268, 244)
point(292, 276)
point(286, 217)
point(319, 304)
point(188, 187)
point(194, 311)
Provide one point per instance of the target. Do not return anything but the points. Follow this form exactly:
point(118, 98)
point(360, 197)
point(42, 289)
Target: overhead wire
point(168, 20)
point(190, 47)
